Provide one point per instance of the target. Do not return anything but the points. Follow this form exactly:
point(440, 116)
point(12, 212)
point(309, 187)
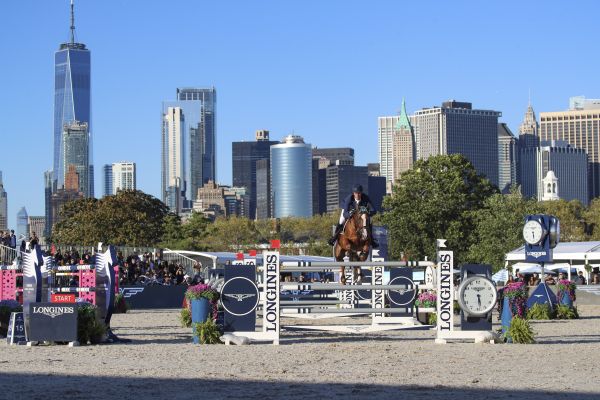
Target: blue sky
point(322, 69)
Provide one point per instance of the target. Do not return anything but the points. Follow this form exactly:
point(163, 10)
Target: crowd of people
point(535, 279)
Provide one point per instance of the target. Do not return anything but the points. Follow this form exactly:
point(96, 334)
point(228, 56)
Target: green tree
point(434, 200)
point(231, 234)
point(571, 217)
point(129, 218)
point(592, 220)
point(499, 226)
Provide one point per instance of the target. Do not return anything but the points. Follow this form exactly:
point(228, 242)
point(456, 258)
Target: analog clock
point(477, 296)
point(533, 232)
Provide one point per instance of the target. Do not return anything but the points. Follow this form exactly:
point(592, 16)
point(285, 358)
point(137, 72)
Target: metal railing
point(8, 255)
point(186, 262)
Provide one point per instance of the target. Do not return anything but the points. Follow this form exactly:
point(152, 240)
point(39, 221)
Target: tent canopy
point(567, 251)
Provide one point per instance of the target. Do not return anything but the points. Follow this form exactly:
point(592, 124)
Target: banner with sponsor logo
point(445, 291)
point(240, 297)
point(271, 292)
point(52, 322)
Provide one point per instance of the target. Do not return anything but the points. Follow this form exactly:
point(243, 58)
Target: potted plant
point(515, 305)
point(566, 292)
point(426, 300)
point(203, 304)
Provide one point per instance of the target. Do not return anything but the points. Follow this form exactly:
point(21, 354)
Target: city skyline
point(262, 71)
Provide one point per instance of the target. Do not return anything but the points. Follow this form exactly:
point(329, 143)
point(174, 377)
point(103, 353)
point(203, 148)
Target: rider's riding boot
point(338, 230)
point(374, 242)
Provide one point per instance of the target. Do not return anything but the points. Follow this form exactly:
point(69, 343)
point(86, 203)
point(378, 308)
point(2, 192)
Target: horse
point(354, 242)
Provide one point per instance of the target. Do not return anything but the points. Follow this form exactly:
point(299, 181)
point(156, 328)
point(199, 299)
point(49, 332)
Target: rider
point(353, 202)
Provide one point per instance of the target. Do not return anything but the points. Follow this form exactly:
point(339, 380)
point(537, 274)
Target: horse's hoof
point(359, 279)
point(342, 280)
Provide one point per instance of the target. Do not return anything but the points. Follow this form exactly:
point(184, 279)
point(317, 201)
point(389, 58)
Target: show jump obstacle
point(390, 305)
point(241, 298)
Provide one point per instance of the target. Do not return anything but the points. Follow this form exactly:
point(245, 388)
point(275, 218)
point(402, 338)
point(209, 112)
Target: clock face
point(533, 232)
point(477, 296)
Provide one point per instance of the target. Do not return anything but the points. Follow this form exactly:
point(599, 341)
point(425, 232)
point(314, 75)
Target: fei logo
point(130, 291)
point(239, 296)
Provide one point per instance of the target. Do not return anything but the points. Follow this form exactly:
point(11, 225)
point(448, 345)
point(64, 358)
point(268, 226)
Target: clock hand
point(479, 299)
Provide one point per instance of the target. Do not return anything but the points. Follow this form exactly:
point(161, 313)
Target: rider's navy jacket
point(349, 204)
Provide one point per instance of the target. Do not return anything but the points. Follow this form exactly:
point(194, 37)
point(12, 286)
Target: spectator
point(580, 279)
point(33, 241)
point(550, 280)
point(534, 280)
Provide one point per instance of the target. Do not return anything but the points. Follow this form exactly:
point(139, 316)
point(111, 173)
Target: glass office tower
point(291, 178)
point(72, 75)
point(198, 108)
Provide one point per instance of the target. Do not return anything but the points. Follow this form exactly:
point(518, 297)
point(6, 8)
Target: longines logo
point(402, 297)
point(239, 296)
point(53, 311)
point(536, 254)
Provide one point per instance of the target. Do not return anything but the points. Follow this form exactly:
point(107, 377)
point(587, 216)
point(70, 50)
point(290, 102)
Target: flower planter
point(506, 316)
point(201, 310)
point(566, 300)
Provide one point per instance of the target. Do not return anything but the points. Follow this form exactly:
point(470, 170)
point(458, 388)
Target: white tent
point(574, 254)
point(500, 276)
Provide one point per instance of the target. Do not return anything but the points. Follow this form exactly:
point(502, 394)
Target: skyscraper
point(245, 155)
point(403, 151)
point(529, 129)
point(340, 179)
point(22, 225)
point(291, 178)
point(124, 176)
point(107, 180)
point(72, 76)
point(507, 158)
point(569, 165)
point(173, 162)
point(3, 206)
point(457, 128)
point(76, 153)
point(581, 129)
point(37, 225)
point(263, 189)
point(197, 127)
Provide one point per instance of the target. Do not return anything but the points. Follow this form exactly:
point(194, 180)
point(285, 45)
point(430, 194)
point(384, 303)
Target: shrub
point(89, 328)
point(517, 298)
point(207, 332)
point(520, 331)
point(563, 311)
point(185, 317)
point(540, 312)
point(432, 319)
point(121, 306)
point(566, 286)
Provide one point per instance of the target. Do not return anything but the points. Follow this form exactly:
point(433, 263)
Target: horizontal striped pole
point(308, 310)
point(303, 303)
point(73, 268)
point(72, 273)
point(10, 268)
point(73, 289)
point(337, 286)
point(333, 264)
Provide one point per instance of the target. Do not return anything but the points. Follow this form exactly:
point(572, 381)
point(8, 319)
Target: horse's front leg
point(343, 275)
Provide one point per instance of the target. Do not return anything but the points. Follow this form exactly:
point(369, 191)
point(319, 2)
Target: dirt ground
point(161, 362)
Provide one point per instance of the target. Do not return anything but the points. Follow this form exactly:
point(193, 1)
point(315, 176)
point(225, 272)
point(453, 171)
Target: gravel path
point(160, 362)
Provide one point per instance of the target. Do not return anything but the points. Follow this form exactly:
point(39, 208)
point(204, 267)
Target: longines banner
point(445, 291)
point(240, 297)
point(55, 322)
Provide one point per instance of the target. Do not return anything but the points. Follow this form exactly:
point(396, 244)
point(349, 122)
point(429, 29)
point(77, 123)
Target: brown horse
point(354, 242)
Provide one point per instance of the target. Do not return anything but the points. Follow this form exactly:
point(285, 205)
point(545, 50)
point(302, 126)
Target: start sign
point(62, 298)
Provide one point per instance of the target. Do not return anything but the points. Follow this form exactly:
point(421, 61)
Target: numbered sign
point(16, 329)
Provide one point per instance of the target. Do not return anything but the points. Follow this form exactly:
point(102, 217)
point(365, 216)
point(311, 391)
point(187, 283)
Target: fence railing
point(8, 255)
point(188, 263)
